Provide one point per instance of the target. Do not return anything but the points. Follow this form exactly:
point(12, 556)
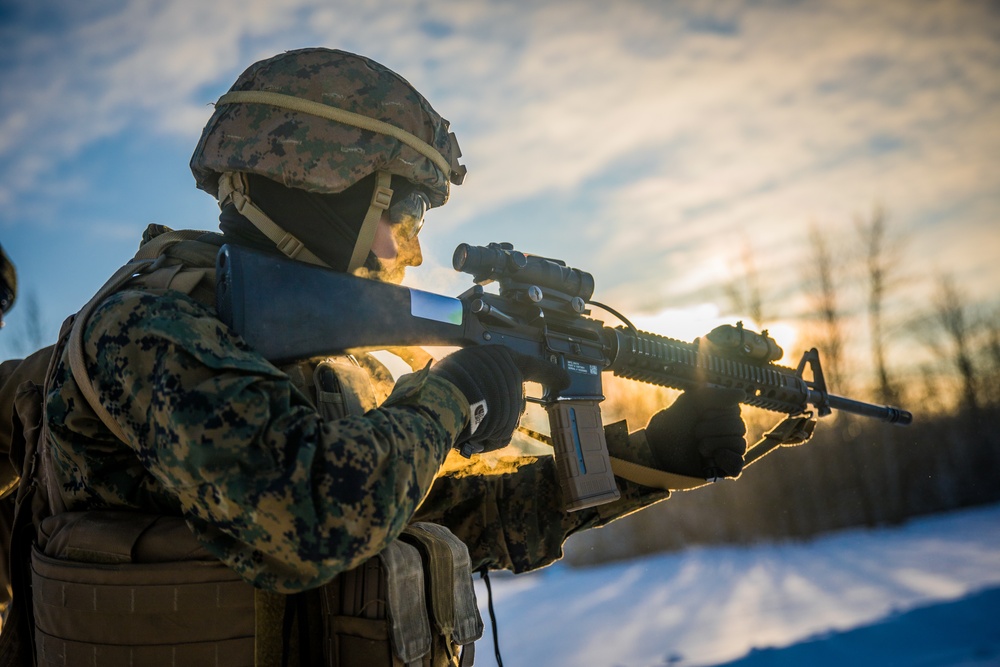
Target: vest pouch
point(376, 614)
point(450, 592)
point(342, 388)
point(121, 612)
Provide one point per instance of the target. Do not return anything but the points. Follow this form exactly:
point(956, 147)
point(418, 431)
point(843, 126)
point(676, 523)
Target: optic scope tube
point(500, 262)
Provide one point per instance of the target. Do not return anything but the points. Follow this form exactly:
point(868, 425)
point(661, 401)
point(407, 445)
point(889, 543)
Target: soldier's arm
point(516, 521)
point(283, 497)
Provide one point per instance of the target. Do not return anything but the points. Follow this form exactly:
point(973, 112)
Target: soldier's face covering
point(328, 224)
point(394, 249)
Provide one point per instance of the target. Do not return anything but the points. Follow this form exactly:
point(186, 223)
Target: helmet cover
point(303, 150)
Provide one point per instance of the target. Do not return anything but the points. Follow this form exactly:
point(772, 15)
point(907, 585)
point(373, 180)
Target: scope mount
point(543, 282)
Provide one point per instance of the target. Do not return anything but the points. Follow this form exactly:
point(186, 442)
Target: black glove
point(701, 434)
point(492, 379)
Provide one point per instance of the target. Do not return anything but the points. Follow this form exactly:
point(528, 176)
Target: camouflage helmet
point(321, 120)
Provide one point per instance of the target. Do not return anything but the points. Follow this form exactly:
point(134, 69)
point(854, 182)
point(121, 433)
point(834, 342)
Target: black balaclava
point(328, 224)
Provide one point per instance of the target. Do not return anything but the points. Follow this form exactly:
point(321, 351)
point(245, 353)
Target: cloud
point(135, 69)
point(790, 136)
point(548, 103)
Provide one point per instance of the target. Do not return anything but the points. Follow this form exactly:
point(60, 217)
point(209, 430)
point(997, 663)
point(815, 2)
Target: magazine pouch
point(376, 614)
point(450, 593)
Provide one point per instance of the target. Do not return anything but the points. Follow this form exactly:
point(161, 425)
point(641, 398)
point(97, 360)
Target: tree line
point(854, 472)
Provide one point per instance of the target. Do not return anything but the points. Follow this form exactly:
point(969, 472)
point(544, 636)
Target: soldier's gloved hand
point(701, 434)
point(492, 378)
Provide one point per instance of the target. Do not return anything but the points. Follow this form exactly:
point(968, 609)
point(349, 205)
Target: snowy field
point(923, 594)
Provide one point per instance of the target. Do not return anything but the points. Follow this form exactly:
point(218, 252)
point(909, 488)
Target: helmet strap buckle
point(233, 189)
point(290, 246)
point(382, 197)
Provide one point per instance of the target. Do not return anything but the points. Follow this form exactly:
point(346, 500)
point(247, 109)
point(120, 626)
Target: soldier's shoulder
point(137, 320)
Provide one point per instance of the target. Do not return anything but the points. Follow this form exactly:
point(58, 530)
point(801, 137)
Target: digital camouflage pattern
point(300, 150)
point(516, 521)
point(288, 500)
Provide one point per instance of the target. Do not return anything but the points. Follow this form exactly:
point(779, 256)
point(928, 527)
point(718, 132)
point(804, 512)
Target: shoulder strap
point(149, 254)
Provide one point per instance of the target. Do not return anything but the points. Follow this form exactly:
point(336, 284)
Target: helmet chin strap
point(233, 189)
point(381, 197)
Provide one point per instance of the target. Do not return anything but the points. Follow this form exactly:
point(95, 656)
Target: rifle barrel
point(885, 413)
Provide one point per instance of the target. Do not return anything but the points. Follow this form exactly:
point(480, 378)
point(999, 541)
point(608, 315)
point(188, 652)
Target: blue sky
point(646, 142)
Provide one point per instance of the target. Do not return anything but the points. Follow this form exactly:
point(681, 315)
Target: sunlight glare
point(684, 324)
point(691, 322)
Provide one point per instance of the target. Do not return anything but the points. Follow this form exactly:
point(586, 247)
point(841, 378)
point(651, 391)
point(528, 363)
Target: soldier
point(177, 465)
point(8, 293)
point(8, 284)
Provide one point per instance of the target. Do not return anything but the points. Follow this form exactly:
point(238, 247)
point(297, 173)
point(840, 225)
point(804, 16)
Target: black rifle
point(290, 310)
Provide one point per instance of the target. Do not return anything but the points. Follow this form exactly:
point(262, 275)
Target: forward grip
point(581, 454)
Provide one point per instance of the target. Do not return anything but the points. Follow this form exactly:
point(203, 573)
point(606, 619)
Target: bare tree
point(992, 384)
point(34, 329)
point(744, 293)
point(931, 394)
point(951, 316)
point(821, 274)
point(879, 263)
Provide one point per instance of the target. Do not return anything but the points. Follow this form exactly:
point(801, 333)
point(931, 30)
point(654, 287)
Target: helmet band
point(454, 171)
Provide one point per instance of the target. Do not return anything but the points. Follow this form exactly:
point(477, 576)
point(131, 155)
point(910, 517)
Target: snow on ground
point(706, 606)
point(947, 634)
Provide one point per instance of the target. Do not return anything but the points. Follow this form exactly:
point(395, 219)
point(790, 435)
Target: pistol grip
point(581, 453)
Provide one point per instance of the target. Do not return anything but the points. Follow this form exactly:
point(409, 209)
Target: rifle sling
point(634, 472)
point(653, 478)
point(792, 431)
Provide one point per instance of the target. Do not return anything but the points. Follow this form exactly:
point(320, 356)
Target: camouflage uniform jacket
point(218, 435)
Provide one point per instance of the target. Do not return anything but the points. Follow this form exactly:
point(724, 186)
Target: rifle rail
point(667, 362)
